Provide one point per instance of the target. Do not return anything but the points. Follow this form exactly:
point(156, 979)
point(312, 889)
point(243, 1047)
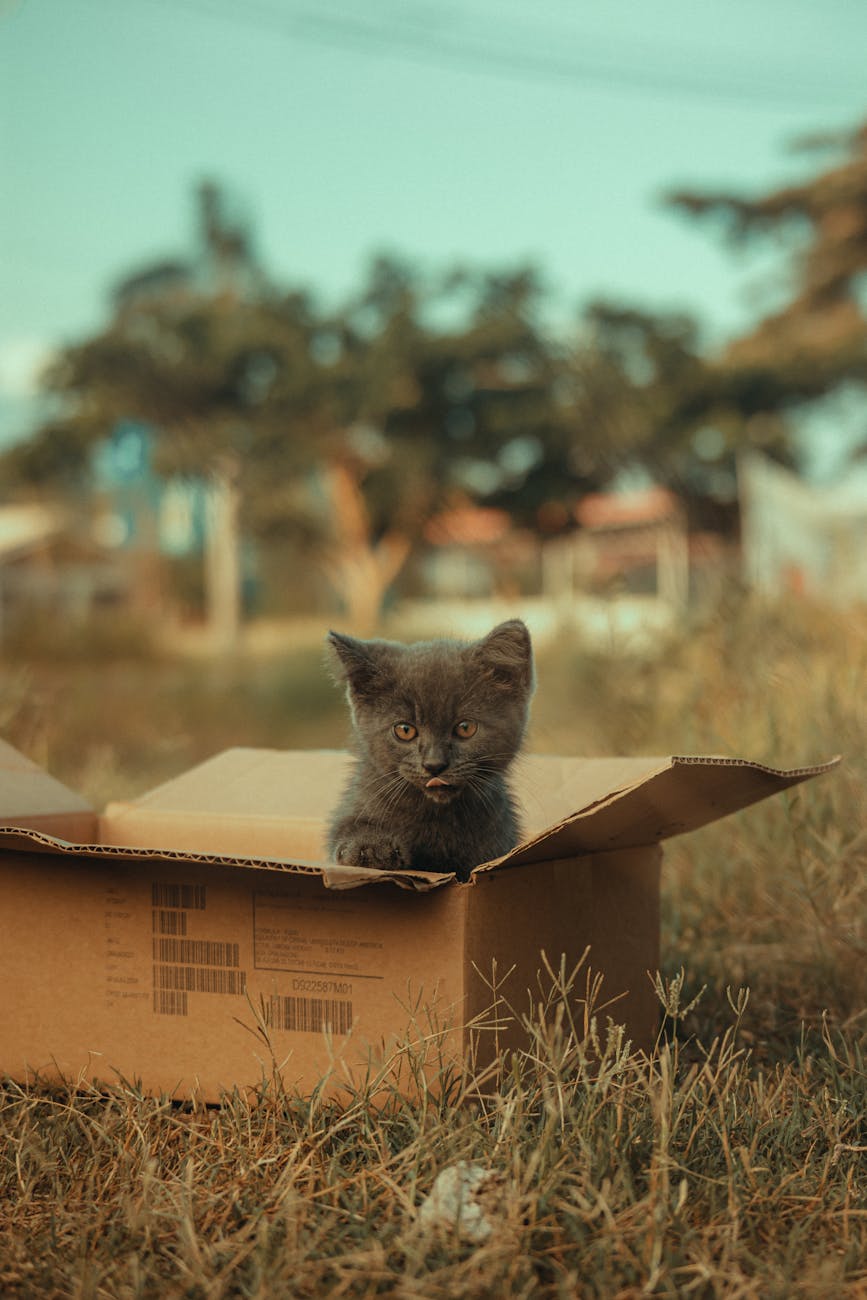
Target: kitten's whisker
point(388, 809)
point(390, 798)
point(386, 785)
point(483, 790)
point(383, 796)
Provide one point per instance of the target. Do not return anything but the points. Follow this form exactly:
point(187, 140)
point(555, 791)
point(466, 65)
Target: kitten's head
point(441, 715)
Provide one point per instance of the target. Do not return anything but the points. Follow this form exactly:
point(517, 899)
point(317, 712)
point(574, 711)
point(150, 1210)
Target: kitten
point(436, 726)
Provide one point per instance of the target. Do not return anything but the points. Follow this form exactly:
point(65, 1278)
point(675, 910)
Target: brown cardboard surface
point(163, 974)
point(256, 802)
point(681, 795)
point(551, 788)
point(159, 950)
point(607, 903)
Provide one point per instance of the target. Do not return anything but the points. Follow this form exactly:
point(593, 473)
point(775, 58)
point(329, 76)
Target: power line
point(427, 44)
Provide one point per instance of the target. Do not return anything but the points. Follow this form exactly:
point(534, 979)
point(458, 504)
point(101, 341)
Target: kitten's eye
point(405, 731)
point(465, 729)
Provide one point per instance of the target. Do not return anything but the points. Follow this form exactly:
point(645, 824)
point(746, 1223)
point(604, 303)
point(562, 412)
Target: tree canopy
point(816, 340)
point(429, 388)
point(425, 389)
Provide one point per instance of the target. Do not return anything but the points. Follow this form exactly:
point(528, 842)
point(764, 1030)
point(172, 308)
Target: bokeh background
point(410, 319)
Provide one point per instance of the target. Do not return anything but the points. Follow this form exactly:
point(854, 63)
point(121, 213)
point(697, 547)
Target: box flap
point(682, 794)
point(274, 782)
point(333, 875)
point(259, 803)
point(30, 797)
point(550, 789)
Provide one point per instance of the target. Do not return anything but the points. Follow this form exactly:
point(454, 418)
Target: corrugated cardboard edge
point(533, 850)
point(333, 875)
point(720, 760)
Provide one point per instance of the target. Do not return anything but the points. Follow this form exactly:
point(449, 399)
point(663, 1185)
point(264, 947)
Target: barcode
point(196, 952)
point(192, 896)
point(170, 922)
point(197, 979)
point(169, 1002)
point(309, 1015)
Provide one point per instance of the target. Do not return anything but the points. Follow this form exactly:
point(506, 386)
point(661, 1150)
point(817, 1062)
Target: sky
point(487, 132)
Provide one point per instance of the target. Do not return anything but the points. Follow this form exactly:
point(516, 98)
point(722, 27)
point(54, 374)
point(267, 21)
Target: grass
point(616, 1176)
point(731, 1161)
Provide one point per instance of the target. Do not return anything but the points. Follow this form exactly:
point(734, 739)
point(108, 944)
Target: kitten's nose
point(434, 766)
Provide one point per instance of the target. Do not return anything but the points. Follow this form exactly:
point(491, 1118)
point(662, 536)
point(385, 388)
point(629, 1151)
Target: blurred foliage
point(816, 341)
point(435, 388)
point(428, 389)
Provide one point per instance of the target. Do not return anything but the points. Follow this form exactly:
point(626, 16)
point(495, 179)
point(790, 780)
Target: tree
point(221, 367)
point(349, 429)
point(635, 375)
point(460, 377)
point(816, 342)
point(233, 393)
point(393, 414)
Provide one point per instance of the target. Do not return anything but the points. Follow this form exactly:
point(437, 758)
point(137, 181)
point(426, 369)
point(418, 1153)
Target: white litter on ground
point(462, 1200)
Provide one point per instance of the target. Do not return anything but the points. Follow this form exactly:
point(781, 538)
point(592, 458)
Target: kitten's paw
point(371, 850)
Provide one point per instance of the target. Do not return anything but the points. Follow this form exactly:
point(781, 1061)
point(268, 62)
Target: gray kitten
point(436, 726)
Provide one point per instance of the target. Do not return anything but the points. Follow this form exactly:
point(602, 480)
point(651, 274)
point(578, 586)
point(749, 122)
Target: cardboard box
point(194, 937)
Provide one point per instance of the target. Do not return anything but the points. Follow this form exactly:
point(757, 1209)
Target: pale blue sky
point(477, 130)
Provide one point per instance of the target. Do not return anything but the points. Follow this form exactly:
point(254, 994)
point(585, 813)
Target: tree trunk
point(360, 570)
point(223, 560)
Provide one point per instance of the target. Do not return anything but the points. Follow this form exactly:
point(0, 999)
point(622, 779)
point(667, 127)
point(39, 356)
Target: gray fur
point(389, 815)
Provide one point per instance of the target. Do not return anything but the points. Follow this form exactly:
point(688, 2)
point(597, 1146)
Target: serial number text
point(321, 986)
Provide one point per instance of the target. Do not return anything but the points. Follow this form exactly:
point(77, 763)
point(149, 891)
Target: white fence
point(796, 536)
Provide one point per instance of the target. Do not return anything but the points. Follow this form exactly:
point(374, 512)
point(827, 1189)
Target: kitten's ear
point(358, 663)
point(506, 656)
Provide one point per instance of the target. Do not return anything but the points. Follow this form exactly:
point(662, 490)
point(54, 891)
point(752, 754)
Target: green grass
point(731, 1162)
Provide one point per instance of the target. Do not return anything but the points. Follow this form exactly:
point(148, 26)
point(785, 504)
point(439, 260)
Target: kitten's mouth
point(439, 790)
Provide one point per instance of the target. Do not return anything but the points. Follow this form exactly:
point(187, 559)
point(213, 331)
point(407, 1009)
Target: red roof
point(617, 509)
point(467, 526)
